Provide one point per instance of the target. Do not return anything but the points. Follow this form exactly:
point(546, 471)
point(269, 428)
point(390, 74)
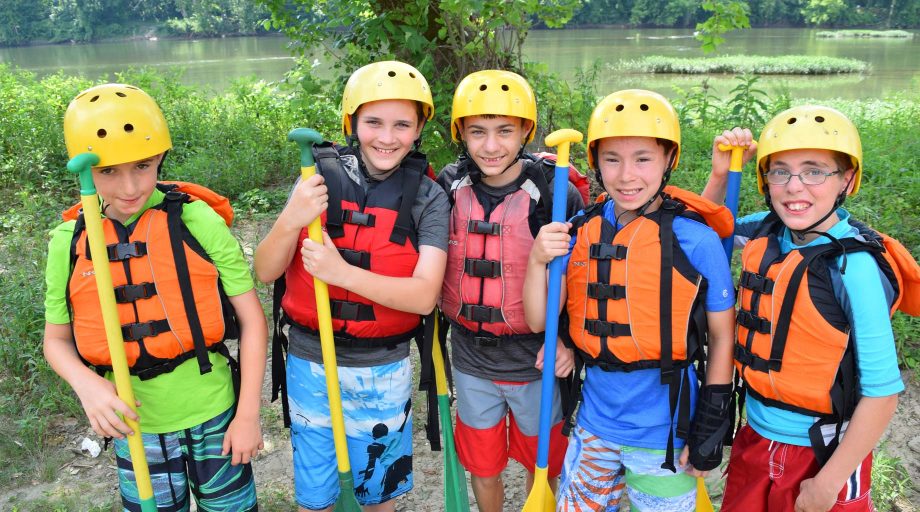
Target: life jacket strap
point(753, 322)
point(134, 292)
point(480, 313)
point(359, 218)
point(755, 362)
point(756, 282)
point(603, 291)
point(482, 268)
point(360, 259)
point(356, 311)
point(481, 227)
point(607, 329)
point(140, 330)
point(123, 251)
point(602, 251)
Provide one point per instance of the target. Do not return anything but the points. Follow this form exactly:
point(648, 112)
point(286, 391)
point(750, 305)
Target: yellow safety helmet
point(118, 122)
point(810, 127)
point(385, 80)
point(633, 113)
point(493, 92)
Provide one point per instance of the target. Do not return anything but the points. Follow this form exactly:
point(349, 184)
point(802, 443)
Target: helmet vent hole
point(129, 128)
point(101, 133)
point(411, 75)
point(819, 119)
point(94, 98)
point(620, 108)
point(121, 95)
point(791, 120)
point(504, 87)
point(391, 73)
point(643, 107)
point(483, 87)
point(131, 87)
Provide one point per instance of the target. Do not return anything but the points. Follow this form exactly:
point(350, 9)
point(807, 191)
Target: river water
point(216, 63)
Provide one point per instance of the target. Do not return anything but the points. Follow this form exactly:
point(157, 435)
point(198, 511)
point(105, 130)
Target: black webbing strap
point(426, 380)
point(413, 168)
point(125, 250)
point(354, 311)
point(330, 168)
point(666, 234)
point(783, 321)
point(482, 314)
point(753, 322)
point(605, 329)
point(607, 251)
point(481, 227)
point(279, 350)
point(359, 218)
point(756, 282)
point(174, 202)
point(607, 234)
point(360, 259)
point(603, 291)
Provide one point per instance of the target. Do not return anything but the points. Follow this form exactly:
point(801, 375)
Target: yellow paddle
point(347, 502)
point(82, 166)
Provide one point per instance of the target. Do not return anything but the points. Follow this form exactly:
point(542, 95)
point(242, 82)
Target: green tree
point(825, 12)
point(21, 22)
point(727, 15)
point(445, 39)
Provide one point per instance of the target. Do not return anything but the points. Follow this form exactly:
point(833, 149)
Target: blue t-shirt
point(633, 408)
point(862, 295)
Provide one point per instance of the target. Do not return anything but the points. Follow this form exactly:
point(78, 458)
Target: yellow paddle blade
point(703, 503)
point(541, 497)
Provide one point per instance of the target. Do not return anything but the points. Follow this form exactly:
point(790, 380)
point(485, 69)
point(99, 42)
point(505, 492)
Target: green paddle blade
point(347, 501)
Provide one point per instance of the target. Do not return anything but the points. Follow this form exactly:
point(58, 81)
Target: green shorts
point(189, 460)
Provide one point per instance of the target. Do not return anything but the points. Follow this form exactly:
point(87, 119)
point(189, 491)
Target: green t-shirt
point(182, 398)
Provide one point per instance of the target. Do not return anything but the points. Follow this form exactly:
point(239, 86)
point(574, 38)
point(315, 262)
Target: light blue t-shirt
point(862, 296)
point(633, 408)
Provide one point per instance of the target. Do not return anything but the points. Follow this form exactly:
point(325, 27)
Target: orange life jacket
point(169, 298)
point(633, 298)
point(794, 350)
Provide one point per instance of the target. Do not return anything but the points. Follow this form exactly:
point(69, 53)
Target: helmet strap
point(664, 182)
point(838, 202)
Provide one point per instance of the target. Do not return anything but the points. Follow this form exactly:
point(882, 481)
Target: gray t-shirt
point(430, 216)
point(513, 360)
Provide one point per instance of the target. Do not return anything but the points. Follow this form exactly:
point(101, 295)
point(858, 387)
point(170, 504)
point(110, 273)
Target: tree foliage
point(445, 40)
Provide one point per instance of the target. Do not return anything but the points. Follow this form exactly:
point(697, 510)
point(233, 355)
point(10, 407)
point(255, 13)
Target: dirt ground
point(84, 482)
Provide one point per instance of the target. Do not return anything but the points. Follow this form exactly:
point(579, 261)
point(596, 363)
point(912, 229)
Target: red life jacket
point(487, 258)
point(168, 293)
point(372, 230)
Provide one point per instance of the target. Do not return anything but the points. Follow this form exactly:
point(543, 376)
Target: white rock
point(90, 446)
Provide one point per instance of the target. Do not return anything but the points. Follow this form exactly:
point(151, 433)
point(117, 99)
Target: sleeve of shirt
point(57, 273)
point(867, 311)
point(210, 230)
point(746, 226)
point(708, 256)
point(433, 220)
point(574, 202)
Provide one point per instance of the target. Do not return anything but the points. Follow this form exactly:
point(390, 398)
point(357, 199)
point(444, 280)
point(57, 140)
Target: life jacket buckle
point(480, 313)
point(602, 251)
point(603, 291)
point(345, 310)
point(123, 251)
point(482, 268)
point(487, 341)
point(481, 227)
point(140, 330)
point(753, 322)
point(360, 259)
point(134, 292)
point(359, 218)
point(756, 282)
point(607, 329)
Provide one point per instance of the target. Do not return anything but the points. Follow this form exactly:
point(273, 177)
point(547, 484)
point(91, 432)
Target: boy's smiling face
point(493, 142)
point(799, 205)
point(387, 131)
point(632, 169)
point(125, 188)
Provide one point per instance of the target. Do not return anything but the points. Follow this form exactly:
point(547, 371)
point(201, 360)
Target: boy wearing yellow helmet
point(383, 258)
point(815, 347)
point(165, 243)
point(500, 197)
point(647, 286)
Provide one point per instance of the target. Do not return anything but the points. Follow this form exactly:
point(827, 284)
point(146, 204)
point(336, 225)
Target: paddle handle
point(733, 190)
point(82, 166)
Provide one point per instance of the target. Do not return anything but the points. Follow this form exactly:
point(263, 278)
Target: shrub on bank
point(741, 64)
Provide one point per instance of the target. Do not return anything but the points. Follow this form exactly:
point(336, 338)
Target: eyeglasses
point(807, 177)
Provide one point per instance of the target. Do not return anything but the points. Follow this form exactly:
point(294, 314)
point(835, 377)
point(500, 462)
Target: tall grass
point(741, 64)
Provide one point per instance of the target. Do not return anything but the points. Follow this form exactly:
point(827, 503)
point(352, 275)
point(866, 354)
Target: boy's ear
point(848, 176)
point(527, 126)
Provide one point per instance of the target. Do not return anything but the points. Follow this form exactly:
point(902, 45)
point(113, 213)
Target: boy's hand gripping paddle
point(347, 502)
point(541, 498)
point(82, 166)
